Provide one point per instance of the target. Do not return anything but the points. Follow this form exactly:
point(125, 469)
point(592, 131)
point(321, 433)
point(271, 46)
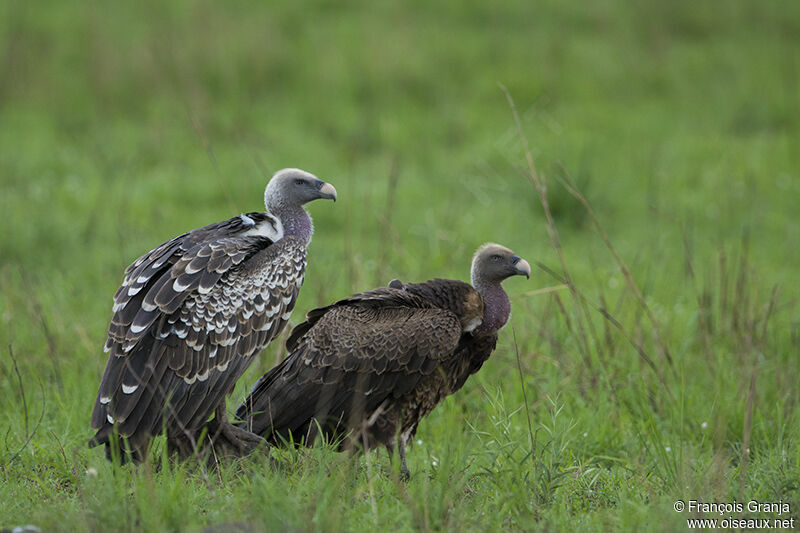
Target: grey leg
point(405, 475)
point(242, 440)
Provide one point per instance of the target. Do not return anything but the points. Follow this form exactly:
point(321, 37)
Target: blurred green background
point(125, 124)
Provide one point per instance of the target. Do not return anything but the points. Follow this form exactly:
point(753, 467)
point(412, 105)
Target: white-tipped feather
point(192, 270)
point(160, 261)
point(129, 389)
point(133, 290)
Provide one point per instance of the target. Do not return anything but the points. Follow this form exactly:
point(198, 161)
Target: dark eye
point(496, 257)
point(299, 181)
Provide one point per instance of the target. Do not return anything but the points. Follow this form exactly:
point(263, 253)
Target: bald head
point(493, 263)
point(292, 187)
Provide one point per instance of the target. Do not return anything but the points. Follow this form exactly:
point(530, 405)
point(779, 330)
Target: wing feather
point(351, 356)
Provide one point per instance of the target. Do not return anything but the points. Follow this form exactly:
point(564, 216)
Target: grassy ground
point(123, 125)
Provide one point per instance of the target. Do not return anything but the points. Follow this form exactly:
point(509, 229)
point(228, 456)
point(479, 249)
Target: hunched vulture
point(365, 370)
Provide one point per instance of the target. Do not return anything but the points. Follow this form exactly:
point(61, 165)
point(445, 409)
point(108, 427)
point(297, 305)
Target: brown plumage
point(191, 315)
point(370, 367)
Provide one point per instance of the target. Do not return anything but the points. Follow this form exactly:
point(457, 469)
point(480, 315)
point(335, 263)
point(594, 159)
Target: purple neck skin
point(496, 307)
point(296, 221)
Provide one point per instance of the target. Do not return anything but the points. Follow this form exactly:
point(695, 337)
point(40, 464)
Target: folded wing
point(347, 359)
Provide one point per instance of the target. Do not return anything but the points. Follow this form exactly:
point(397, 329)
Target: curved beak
point(327, 191)
point(521, 267)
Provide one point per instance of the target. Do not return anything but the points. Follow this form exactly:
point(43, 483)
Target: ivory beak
point(328, 191)
point(523, 268)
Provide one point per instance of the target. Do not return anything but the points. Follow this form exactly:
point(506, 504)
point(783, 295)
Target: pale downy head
point(493, 263)
point(292, 187)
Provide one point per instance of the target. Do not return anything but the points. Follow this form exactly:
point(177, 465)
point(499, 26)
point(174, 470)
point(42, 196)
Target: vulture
point(365, 370)
point(192, 314)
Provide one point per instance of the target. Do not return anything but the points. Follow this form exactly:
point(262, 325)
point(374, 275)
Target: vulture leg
point(405, 475)
point(390, 451)
point(402, 441)
point(231, 439)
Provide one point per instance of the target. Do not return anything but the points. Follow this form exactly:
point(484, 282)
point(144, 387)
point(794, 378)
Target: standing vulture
point(368, 368)
point(191, 315)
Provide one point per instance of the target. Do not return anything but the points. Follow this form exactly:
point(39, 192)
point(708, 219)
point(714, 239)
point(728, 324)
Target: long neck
point(296, 221)
point(496, 307)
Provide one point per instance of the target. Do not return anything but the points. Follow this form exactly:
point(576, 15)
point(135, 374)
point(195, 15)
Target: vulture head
point(493, 263)
point(292, 188)
point(287, 192)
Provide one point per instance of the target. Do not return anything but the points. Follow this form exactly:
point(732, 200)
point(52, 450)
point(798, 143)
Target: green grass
point(124, 125)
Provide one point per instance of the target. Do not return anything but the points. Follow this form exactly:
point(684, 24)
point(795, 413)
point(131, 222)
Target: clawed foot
point(216, 438)
point(230, 440)
point(220, 438)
